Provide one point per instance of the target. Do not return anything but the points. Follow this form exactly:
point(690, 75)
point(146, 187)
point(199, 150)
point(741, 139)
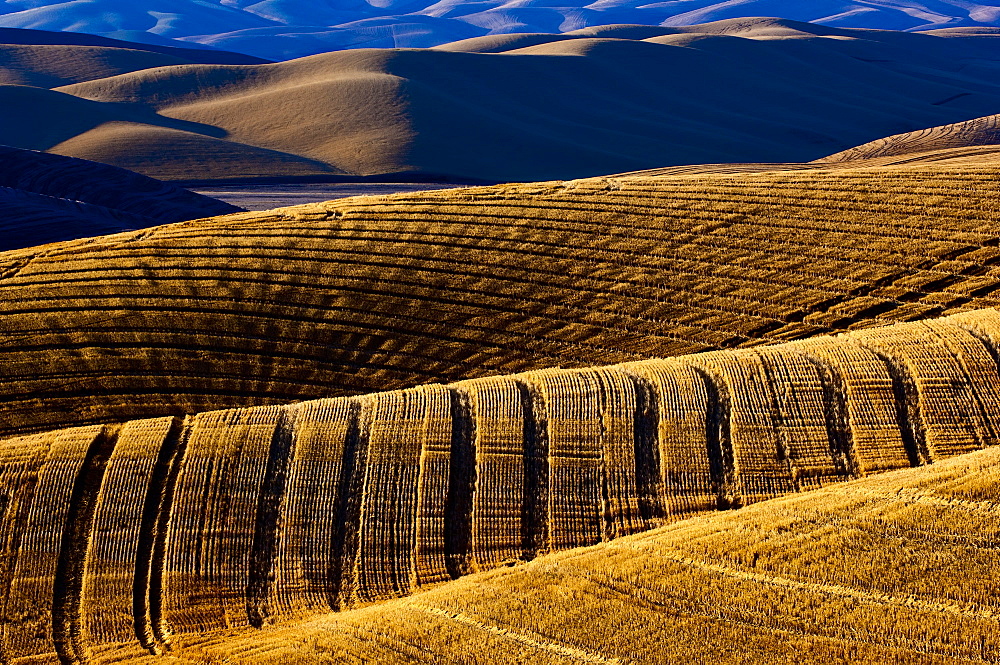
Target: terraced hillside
point(370, 294)
point(980, 133)
point(522, 107)
point(896, 568)
point(162, 528)
point(47, 198)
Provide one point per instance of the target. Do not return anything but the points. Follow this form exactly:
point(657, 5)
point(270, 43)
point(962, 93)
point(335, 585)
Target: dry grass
point(980, 134)
point(147, 534)
point(197, 508)
point(380, 293)
point(897, 568)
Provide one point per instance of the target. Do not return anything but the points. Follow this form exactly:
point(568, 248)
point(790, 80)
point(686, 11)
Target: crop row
point(243, 517)
point(382, 293)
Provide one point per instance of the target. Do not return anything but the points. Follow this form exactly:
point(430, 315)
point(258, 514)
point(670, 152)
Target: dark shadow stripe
point(907, 402)
point(721, 464)
point(646, 437)
point(343, 574)
point(838, 425)
point(155, 493)
point(154, 592)
point(264, 547)
point(535, 500)
point(71, 564)
point(459, 504)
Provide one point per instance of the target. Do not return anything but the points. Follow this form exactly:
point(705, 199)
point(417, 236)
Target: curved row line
point(135, 533)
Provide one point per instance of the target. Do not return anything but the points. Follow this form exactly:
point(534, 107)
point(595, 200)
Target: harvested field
point(896, 568)
point(369, 294)
point(982, 133)
point(139, 538)
point(512, 423)
point(268, 197)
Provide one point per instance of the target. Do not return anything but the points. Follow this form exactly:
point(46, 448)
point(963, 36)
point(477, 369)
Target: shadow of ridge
point(141, 114)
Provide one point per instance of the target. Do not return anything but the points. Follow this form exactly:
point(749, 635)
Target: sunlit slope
point(129, 137)
point(897, 568)
point(49, 59)
point(50, 66)
point(147, 532)
point(983, 133)
point(370, 294)
point(535, 107)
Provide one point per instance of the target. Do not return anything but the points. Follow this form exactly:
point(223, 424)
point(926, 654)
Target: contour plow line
point(125, 536)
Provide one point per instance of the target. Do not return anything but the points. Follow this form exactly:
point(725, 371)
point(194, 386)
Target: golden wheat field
point(742, 416)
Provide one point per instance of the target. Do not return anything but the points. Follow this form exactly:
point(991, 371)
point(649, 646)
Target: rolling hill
point(367, 294)
point(49, 59)
point(242, 518)
point(523, 107)
point(47, 198)
point(283, 29)
point(977, 136)
point(282, 436)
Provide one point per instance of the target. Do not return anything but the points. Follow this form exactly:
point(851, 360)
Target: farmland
point(382, 293)
point(842, 574)
point(741, 410)
point(502, 107)
point(243, 518)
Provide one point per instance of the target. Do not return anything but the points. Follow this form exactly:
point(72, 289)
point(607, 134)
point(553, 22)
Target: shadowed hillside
point(380, 293)
point(186, 51)
point(281, 29)
point(47, 198)
point(525, 107)
point(239, 518)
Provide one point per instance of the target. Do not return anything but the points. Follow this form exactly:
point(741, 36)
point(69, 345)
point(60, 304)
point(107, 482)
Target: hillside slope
point(182, 50)
point(601, 101)
point(368, 294)
point(49, 59)
point(48, 198)
point(240, 518)
point(897, 568)
point(981, 133)
point(281, 29)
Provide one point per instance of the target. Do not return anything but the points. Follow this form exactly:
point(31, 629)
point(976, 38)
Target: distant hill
point(185, 51)
point(48, 59)
point(523, 107)
point(282, 29)
point(47, 198)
